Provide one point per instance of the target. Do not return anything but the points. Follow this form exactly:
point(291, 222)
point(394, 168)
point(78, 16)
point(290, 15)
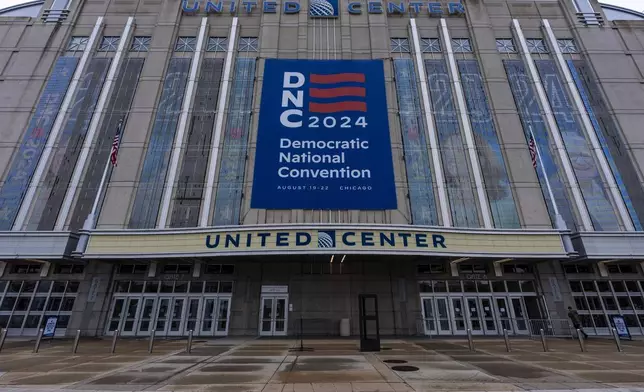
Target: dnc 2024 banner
point(323, 138)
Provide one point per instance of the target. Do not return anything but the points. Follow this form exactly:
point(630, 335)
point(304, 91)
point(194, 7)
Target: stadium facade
point(252, 167)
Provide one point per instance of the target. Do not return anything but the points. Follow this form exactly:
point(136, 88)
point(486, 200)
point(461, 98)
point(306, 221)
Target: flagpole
point(90, 221)
point(560, 223)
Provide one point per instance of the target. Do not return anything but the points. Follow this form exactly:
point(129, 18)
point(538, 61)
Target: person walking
point(576, 321)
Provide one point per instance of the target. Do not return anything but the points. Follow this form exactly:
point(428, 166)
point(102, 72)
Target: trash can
point(344, 327)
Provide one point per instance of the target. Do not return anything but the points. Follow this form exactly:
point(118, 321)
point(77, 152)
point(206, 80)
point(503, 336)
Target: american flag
point(533, 151)
point(115, 144)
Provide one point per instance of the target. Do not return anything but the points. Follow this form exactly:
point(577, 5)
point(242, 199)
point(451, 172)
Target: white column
point(183, 124)
point(206, 202)
point(586, 223)
point(589, 129)
point(93, 125)
point(467, 127)
point(430, 128)
point(56, 128)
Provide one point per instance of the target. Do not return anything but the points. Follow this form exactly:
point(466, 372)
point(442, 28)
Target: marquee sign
point(323, 8)
point(325, 240)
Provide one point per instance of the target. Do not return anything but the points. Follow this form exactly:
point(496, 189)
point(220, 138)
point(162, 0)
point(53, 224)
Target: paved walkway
point(254, 365)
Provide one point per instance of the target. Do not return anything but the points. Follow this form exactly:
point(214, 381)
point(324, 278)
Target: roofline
point(41, 2)
point(622, 9)
point(21, 6)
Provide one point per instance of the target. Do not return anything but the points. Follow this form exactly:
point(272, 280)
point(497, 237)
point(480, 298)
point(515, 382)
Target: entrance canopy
point(326, 239)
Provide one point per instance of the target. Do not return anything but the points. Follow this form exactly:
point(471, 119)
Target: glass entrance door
point(429, 320)
point(458, 316)
point(146, 316)
point(505, 320)
point(436, 318)
point(273, 315)
point(115, 315)
point(520, 315)
point(221, 319)
point(169, 315)
point(474, 315)
point(214, 316)
point(161, 328)
point(192, 316)
point(442, 311)
point(487, 312)
point(177, 319)
point(131, 312)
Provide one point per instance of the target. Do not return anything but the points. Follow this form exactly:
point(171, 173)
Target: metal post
point(618, 343)
point(76, 341)
point(3, 336)
point(507, 340)
point(189, 344)
point(116, 336)
point(151, 344)
point(582, 346)
point(470, 342)
point(543, 341)
point(38, 339)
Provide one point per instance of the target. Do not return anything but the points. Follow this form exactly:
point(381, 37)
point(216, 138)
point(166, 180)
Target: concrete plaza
point(277, 365)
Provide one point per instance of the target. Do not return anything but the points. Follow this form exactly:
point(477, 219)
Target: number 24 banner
point(323, 138)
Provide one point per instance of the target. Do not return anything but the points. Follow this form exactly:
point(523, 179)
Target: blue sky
point(637, 5)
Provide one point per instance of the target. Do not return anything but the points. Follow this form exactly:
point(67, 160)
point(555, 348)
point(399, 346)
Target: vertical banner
point(323, 137)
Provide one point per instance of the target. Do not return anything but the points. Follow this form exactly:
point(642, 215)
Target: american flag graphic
point(341, 92)
point(533, 151)
point(115, 144)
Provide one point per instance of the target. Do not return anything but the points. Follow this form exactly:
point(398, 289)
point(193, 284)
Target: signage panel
point(326, 240)
point(323, 137)
point(50, 327)
point(323, 8)
point(620, 327)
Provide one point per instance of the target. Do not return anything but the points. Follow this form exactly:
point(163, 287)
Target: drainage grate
point(404, 368)
point(394, 361)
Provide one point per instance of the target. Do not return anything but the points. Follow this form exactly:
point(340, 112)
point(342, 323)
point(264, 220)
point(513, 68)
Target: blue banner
point(323, 137)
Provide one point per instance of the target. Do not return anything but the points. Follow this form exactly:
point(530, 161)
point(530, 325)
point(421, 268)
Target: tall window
point(233, 160)
point(456, 165)
point(157, 155)
point(417, 161)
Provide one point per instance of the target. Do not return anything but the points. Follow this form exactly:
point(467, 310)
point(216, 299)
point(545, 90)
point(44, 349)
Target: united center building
point(251, 168)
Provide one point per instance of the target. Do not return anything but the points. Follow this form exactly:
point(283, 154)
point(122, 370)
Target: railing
point(551, 327)
point(494, 327)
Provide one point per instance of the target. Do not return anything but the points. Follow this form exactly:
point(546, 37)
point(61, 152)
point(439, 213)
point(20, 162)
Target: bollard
point(582, 345)
point(116, 336)
point(189, 343)
point(543, 341)
point(38, 339)
point(507, 340)
point(151, 344)
point(470, 342)
point(3, 336)
point(76, 341)
point(618, 343)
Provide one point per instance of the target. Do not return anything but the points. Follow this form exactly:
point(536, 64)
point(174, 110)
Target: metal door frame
point(477, 302)
point(274, 298)
point(182, 316)
point(216, 319)
point(515, 319)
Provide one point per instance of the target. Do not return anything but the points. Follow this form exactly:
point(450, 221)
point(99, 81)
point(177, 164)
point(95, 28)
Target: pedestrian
point(576, 321)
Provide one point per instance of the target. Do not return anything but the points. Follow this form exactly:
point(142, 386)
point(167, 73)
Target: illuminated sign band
point(293, 7)
point(325, 240)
